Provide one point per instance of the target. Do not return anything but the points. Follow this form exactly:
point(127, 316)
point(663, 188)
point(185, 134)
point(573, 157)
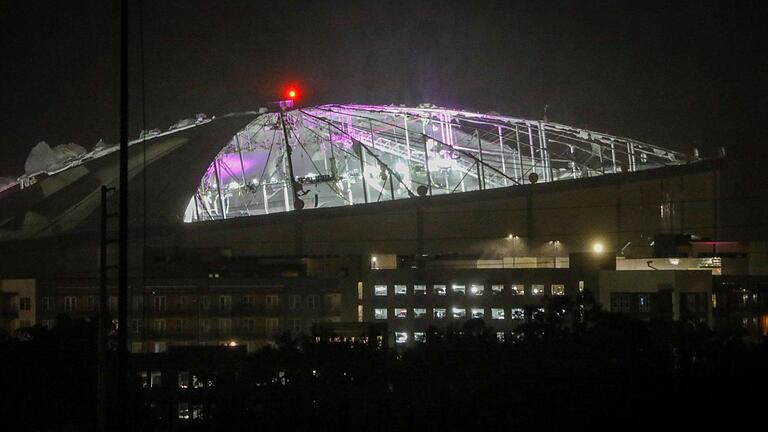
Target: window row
point(183, 302)
point(223, 326)
point(421, 337)
point(455, 313)
point(381, 290)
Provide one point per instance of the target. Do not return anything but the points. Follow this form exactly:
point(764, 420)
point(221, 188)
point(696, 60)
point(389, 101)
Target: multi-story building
point(411, 301)
point(504, 194)
point(18, 304)
point(179, 387)
point(214, 311)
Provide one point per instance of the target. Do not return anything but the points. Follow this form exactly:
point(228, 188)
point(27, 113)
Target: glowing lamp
point(597, 247)
point(292, 93)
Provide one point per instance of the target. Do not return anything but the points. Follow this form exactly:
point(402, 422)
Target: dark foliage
point(605, 370)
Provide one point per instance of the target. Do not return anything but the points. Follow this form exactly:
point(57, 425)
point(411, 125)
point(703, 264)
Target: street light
point(597, 247)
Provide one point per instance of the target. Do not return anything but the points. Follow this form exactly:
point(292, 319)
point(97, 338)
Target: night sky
point(675, 74)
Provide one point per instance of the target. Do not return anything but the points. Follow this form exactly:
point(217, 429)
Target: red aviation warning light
point(289, 98)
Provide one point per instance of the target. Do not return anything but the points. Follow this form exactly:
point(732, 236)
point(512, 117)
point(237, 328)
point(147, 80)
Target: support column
point(218, 187)
point(480, 165)
point(426, 157)
point(519, 155)
point(501, 149)
point(545, 152)
point(533, 153)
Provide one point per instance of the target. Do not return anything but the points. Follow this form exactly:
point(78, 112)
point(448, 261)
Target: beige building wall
point(24, 301)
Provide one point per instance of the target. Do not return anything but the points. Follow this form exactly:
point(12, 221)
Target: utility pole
point(122, 286)
point(104, 267)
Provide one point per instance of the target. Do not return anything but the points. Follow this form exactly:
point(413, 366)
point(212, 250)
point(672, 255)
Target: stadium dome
point(355, 154)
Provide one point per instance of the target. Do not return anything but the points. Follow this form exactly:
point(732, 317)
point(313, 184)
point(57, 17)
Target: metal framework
point(354, 154)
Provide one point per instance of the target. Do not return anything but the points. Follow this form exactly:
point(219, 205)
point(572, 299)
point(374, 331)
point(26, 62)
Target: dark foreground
point(605, 372)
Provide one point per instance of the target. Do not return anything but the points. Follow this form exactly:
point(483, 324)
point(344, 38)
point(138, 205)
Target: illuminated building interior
point(353, 154)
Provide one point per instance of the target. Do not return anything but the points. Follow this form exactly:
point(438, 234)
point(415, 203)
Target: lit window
point(155, 379)
point(538, 313)
point(581, 286)
point(558, 289)
point(419, 290)
point(517, 314)
point(197, 381)
point(537, 289)
point(380, 290)
point(476, 290)
point(359, 313)
point(439, 313)
point(419, 337)
point(478, 313)
point(401, 289)
point(380, 313)
point(459, 313)
point(401, 313)
point(643, 303)
point(419, 312)
point(184, 411)
point(517, 289)
point(197, 411)
point(359, 290)
point(497, 313)
point(459, 289)
point(143, 378)
point(401, 337)
point(500, 336)
point(497, 289)
point(183, 379)
point(439, 290)
point(714, 301)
